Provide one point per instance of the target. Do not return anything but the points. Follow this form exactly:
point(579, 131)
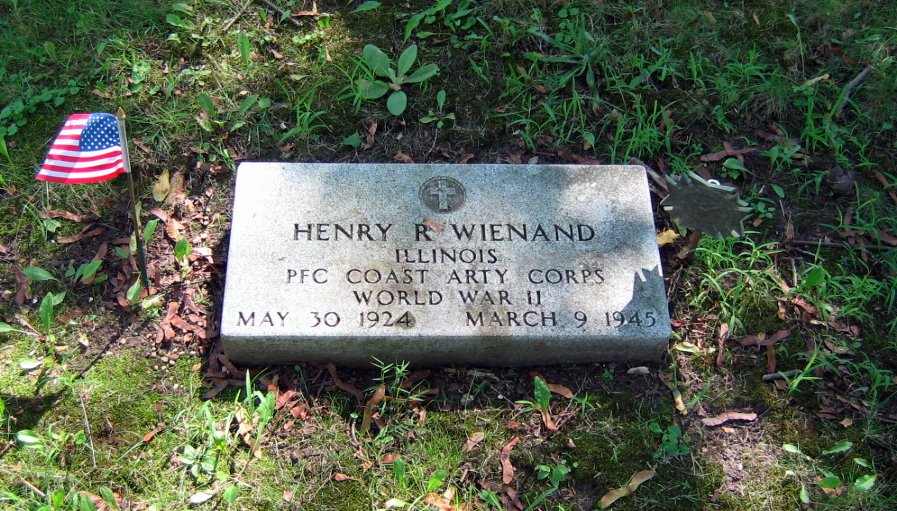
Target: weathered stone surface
point(443, 264)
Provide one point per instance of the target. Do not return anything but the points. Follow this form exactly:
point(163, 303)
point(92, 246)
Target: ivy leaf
point(542, 393)
point(47, 306)
point(791, 448)
point(230, 493)
point(735, 164)
point(36, 274)
point(182, 250)
point(372, 89)
point(6, 328)
point(804, 494)
point(841, 446)
point(425, 72)
point(407, 59)
point(200, 497)
point(29, 438)
point(396, 103)
point(150, 230)
point(413, 23)
point(865, 483)
point(367, 6)
point(28, 364)
point(245, 48)
point(353, 140)
point(376, 60)
point(830, 482)
point(206, 103)
point(133, 293)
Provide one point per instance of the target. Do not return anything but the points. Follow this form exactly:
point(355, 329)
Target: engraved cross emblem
point(443, 192)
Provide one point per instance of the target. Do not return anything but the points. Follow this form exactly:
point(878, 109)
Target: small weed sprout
point(542, 395)
point(439, 117)
point(673, 443)
point(555, 474)
point(378, 65)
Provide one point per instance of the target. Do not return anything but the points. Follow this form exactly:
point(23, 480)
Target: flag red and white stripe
point(86, 150)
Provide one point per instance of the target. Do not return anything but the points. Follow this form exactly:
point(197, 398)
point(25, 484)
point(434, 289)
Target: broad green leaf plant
point(395, 74)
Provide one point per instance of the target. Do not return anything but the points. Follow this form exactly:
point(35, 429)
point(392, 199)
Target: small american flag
point(86, 150)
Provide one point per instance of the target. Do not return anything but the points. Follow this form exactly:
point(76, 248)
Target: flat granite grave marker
point(502, 265)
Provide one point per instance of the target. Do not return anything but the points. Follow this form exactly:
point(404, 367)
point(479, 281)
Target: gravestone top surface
point(499, 265)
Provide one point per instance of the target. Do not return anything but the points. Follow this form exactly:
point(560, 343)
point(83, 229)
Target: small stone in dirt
point(840, 181)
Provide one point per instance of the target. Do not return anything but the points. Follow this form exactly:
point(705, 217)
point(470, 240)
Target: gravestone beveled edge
point(440, 349)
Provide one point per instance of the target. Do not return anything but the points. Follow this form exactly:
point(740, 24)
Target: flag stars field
point(86, 150)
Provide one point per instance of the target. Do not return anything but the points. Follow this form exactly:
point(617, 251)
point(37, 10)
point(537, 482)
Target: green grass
point(605, 80)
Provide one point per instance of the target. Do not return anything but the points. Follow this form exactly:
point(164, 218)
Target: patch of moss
point(339, 496)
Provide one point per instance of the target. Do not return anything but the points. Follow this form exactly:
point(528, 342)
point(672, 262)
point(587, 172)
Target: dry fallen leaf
point(637, 479)
point(724, 334)
point(441, 502)
point(473, 440)
point(402, 157)
point(547, 420)
point(847, 422)
point(887, 237)
point(162, 186)
point(173, 229)
point(149, 436)
point(728, 417)
point(805, 306)
point(761, 339)
point(727, 152)
point(351, 389)
point(375, 400)
point(433, 225)
point(339, 476)
point(666, 237)
point(58, 213)
point(677, 396)
point(560, 390)
point(507, 469)
point(176, 192)
point(81, 235)
point(576, 158)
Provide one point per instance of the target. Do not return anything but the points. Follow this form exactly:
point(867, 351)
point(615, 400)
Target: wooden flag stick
point(141, 255)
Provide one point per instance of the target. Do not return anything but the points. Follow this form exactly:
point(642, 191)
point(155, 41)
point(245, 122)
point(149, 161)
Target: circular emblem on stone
point(443, 194)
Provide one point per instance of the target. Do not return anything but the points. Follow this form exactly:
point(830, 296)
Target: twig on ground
point(93, 454)
point(781, 376)
point(435, 137)
point(848, 89)
point(655, 176)
point(26, 483)
point(691, 244)
point(888, 186)
point(237, 16)
point(282, 13)
point(723, 336)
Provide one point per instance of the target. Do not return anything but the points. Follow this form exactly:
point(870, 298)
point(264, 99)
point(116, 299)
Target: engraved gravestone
point(503, 265)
